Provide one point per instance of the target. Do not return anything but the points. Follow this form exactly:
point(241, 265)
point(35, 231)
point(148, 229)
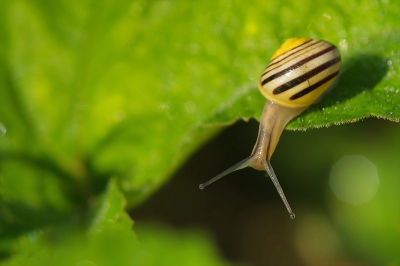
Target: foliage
point(93, 91)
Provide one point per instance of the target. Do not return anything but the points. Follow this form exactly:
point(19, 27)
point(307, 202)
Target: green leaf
point(127, 88)
point(91, 90)
point(368, 85)
point(169, 247)
point(110, 241)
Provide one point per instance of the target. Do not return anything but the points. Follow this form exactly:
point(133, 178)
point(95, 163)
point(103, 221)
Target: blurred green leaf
point(169, 247)
point(109, 240)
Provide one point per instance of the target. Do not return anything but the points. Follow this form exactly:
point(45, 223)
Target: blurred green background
point(110, 107)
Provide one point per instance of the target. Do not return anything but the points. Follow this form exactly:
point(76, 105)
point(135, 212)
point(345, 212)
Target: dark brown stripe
point(297, 65)
point(313, 87)
point(293, 56)
point(274, 63)
point(294, 82)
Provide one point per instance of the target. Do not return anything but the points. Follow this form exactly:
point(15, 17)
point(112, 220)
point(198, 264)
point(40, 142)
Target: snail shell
point(299, 72)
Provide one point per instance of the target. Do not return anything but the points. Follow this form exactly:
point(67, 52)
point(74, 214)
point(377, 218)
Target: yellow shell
point(299, 72)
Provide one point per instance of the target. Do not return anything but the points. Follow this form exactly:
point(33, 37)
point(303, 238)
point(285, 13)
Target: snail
point(299, 72)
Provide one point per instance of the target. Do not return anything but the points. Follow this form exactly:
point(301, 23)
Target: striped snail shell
point(299, 72)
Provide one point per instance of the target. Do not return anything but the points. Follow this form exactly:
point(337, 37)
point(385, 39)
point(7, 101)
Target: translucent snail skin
point(299, 72)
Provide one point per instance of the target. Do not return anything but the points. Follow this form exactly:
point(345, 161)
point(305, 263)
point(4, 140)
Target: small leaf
point(168, 247)
point(111, 212)
point(111, 241)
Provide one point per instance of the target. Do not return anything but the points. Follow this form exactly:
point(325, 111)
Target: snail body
point(299, 72)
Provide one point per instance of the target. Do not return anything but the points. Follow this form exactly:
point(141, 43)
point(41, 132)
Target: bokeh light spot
point(354, 179)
